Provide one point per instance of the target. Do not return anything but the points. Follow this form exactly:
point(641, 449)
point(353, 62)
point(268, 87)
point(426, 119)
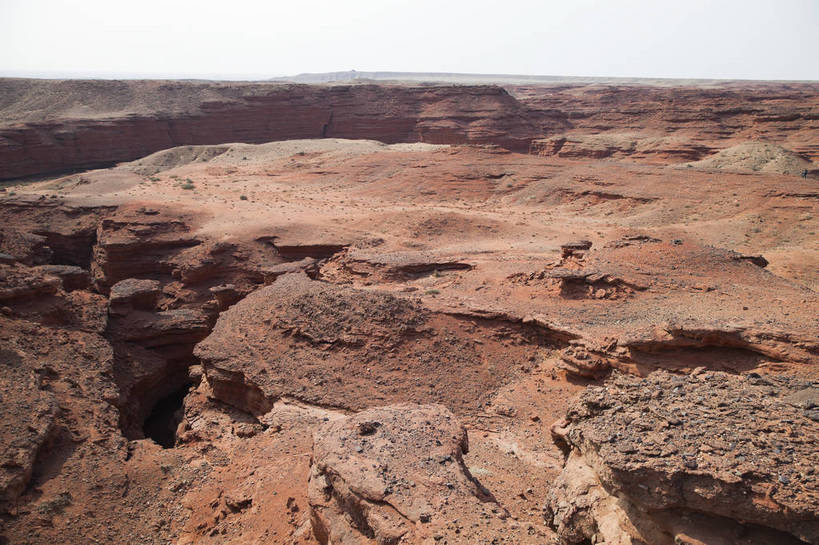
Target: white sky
point(753, 39)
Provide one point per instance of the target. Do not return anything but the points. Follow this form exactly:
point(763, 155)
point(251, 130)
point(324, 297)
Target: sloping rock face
point(41, 132)
point(395, 475)
point(41, 231)
point(215, 113)
point(705, 458)
point(678, 122)
point(28, 421)
point(56, 390)
point(619, 146)
point(337, 346)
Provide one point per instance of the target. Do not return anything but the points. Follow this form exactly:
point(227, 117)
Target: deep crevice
point(165, 416)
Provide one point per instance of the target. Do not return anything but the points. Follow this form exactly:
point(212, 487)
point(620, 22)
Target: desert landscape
point(409, 312)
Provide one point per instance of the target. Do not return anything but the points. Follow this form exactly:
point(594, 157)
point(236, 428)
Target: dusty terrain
point(608, 335)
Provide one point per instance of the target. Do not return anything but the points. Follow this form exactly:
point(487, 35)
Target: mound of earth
point(704, 458)
point(757, 157)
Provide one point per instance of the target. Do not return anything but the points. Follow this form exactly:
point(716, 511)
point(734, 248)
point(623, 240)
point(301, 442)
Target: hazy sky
point(756, 39)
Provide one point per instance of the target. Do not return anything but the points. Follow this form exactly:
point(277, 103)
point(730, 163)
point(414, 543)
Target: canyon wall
point(49, 126)
point(191, 114)
point(679, 122)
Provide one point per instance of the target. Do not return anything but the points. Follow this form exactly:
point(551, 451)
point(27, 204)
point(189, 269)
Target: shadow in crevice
point(164, 418)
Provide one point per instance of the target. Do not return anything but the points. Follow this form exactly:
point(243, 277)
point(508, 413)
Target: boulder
point(337, 346)
point(396, 474)
point(712, 456)
point(134, 293)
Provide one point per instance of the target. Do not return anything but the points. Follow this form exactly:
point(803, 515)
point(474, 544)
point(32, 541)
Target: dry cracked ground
point(346, 342)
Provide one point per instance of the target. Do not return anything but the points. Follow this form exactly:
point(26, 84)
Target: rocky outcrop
point(214, 113)
point(643, 351)
point(18, 284)
point(174, 327)
point(711, 457)
point(134, 293)
point(674, 122)
point(620, 146)
point(132, 243)
point(338, 346)
point(28, 421)
point(24, 247)
point(48, 231)
point(308, 265)
point(380, 266)
point(71, 276)
point(395, 475)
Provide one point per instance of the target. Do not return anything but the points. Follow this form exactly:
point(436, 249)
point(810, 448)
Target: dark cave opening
point(164, 418)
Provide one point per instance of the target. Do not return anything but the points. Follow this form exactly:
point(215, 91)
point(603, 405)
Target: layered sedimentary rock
point(710, 457)
point(636, 147)
point(58, 125)
point(163, 115)
point(56, 388)
point(676, 121)
point(470, 277)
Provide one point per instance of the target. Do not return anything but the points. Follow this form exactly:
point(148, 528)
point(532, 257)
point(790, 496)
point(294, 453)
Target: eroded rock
point(396, 475)
point(337, 346)
point(652, 459)
point(134, 293)
point(28, 421)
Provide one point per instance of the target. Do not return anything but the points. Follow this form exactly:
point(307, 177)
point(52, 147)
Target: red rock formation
point(693, 119)
point(709, 458)
point(261, 113)
point(396, 474)
point(329, 345)
point(674, 123)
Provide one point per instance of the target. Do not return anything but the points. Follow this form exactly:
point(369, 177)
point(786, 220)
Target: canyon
point(383, 313)
point(55, 126)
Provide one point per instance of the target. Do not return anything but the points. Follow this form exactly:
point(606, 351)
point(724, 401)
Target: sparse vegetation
point(188, 185)
point(55, 506)
point(243, 197)
point(432, 292)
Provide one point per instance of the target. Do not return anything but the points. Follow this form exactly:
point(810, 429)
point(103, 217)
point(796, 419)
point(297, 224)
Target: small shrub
point(243, 197)
point(188, 186)
point(432, 292)
point(55, 506)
